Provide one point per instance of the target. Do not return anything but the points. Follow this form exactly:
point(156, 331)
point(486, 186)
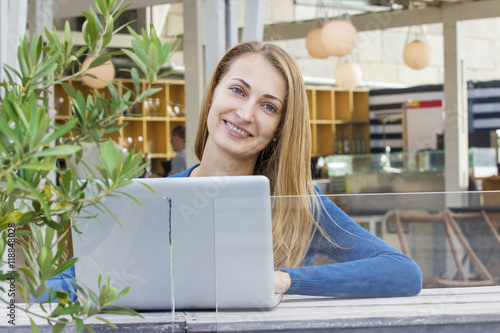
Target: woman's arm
point(365, 265)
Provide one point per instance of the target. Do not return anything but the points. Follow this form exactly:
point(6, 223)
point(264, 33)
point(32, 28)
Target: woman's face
point(246, 108)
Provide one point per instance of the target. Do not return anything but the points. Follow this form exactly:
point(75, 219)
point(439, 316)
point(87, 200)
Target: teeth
point(237, 130)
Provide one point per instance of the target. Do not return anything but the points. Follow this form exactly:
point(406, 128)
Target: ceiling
point(376, 5)
point(71, 8)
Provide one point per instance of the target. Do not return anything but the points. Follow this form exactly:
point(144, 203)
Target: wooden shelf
point(149, 124)
point(339, 120)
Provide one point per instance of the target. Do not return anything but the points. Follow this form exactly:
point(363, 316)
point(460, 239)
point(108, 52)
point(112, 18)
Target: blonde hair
point(286, 159)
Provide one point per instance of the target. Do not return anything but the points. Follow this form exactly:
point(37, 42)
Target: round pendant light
point(314, 45)
point(348, 75)
point(417, 54)
point(339, 37)
point(104, 73)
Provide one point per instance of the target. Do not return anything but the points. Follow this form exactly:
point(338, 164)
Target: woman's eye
point(237, 90)
point(270, 108)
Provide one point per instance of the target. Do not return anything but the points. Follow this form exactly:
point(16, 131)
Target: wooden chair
point(459, 246)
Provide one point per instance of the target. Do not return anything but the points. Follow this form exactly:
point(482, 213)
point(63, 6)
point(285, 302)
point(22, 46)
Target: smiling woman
point(245, 112)
point(254, 120)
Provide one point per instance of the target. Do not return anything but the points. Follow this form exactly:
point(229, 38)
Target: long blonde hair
point(286, 159)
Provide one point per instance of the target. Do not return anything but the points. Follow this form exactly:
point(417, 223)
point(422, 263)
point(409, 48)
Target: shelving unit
point(148, 125)
point(338, 118)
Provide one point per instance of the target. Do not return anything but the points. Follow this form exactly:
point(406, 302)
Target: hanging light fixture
point(339, 37)
point(314, 45)
point(348, 75)
point(417, 53)
point(104, 73)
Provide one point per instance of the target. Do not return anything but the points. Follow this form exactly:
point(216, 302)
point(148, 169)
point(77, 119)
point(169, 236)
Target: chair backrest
point(454, 262)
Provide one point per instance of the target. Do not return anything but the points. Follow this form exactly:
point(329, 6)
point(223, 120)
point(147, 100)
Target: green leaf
point(69, 89)
point(99, 61)
point(71, 310)
point(114, 92)
point(79, 325)
point(64, 150)
point(91, 29)
point(142, 66)
point(60, 131)
point(10, 183)
point(43, 166)
point(153, 59)
point(122, 293)
point(54, 225)
point(64, 266)
point(9, 133)
point(26, 218)
point(140, 49)
point(122, 311)
point(34, 328)
point(28, 273)
point(107, 322)
point(13, 71)
point(108, 34)
point(45, 70)
point(148, 93)
point(101, 8)
point(89, 329)
point(59, 327)
point(135, 80)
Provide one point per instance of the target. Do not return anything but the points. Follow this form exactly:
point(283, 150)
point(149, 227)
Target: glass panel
point(453, 238)
point(243, 251)
point(129, 242)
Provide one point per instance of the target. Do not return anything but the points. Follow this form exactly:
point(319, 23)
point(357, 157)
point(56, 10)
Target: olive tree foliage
point(36, 210)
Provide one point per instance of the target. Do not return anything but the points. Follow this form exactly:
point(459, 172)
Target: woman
point(254, 120)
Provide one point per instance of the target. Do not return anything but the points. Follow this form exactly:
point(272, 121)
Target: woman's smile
point(236, 131)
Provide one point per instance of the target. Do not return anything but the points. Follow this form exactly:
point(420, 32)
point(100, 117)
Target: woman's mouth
point(236, 129)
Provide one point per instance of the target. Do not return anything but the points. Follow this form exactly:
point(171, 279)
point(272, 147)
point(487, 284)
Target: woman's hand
point(282, 282)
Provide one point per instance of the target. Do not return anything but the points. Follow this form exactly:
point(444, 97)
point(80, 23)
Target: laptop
point(197, 243)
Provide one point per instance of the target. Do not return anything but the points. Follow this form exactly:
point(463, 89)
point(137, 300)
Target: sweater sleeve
point(365, 265)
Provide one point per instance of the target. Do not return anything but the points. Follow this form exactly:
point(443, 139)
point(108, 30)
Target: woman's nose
point(246, 112)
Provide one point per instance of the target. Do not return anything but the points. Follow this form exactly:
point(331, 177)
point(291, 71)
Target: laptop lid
point(198, 243)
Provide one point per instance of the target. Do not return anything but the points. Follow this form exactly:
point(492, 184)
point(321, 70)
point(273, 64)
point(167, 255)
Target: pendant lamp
point(339, 37)
point(314, 45)
point(104, 73)
point(348, 75)
point(417, 54)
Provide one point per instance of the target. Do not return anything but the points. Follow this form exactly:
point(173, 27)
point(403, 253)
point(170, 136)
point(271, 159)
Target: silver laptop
point(198, 243)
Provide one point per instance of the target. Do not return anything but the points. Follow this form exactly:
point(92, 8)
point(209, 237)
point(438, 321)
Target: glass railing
point(214, 250)
point(482, 162)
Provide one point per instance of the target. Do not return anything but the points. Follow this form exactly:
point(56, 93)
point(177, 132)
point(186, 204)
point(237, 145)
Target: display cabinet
point(340, 121)
point(149, 124)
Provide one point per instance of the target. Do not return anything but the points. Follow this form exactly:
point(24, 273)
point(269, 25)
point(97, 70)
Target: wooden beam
point(363, 22)
point(386, 20)
point(72, 8)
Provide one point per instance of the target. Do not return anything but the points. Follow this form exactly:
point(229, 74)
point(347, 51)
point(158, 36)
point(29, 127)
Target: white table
point(433, 310)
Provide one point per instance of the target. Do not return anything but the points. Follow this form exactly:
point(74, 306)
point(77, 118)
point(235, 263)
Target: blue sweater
point(365, 266)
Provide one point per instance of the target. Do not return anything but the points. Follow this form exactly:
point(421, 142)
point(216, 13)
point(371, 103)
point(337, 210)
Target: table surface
point(473, 309)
